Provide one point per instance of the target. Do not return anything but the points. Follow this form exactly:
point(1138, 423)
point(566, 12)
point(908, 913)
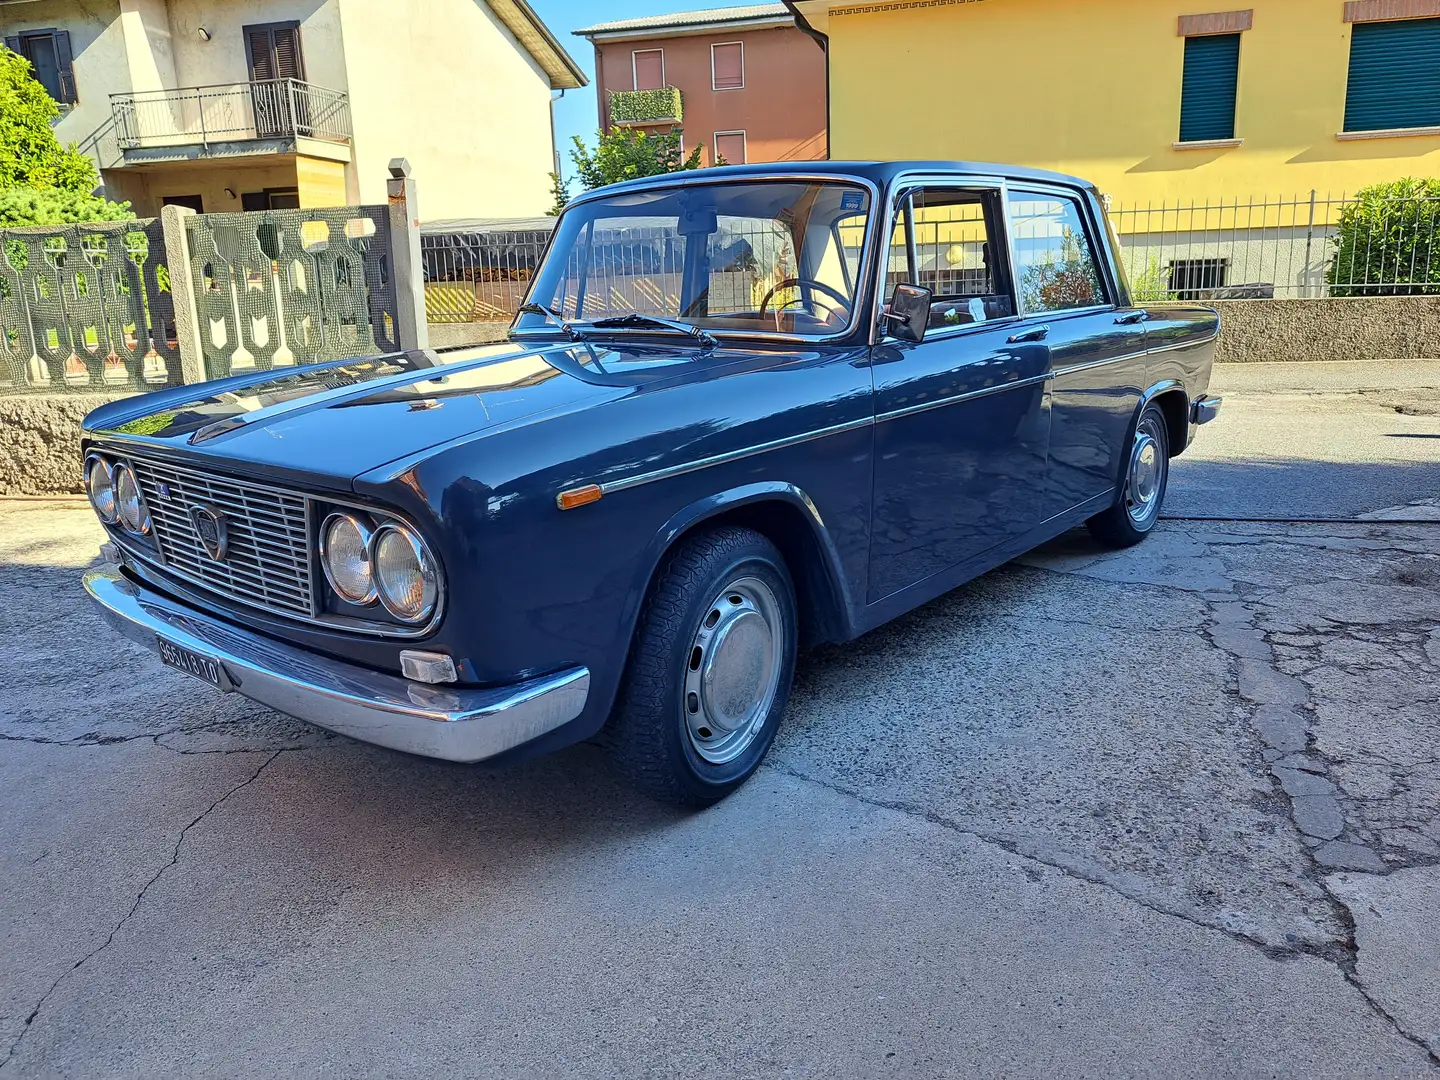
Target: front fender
point(830, 593)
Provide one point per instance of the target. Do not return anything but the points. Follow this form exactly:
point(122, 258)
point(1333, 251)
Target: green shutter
point(1394, 75)
point(1207, 103)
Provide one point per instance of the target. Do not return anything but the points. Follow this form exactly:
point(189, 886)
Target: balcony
point(640, 108)
point(232, 119)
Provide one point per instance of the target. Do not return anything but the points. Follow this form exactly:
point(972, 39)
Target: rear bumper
point(434, 721)
point(1204, 409)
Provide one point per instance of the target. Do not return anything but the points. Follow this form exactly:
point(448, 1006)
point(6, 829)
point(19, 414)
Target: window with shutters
point(730, 147)
point(51, 61)
point(273, 51)
point(1207, 102)
point(727, 66)
point(649, 68)
point(1394, 76)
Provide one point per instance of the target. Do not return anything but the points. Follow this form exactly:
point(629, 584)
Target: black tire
point(1132, 518)
point(649, 734)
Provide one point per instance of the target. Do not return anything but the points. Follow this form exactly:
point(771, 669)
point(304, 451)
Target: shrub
point(26, 206)
point(1152, 284)
point(1386, 245)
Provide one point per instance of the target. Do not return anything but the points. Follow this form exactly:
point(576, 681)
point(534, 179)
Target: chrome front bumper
point(435, 721)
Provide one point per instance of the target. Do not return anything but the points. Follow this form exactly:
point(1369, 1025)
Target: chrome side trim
point(1058, 372)
point(956, 399)
point(1184, 344)
point(612, 486)
point(453, 723)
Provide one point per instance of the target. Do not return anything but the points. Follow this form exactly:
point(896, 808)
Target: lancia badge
point(211, 530)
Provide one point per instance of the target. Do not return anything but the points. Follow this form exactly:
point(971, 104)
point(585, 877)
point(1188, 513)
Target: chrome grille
point(268, 565)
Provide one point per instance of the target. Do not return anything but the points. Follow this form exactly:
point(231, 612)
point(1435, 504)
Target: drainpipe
point(803, 25)
point(554, 146)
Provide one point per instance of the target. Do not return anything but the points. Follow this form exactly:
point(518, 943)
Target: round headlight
point(100, 486)
point(405, 576)
point(345, 555)
point(129, 502)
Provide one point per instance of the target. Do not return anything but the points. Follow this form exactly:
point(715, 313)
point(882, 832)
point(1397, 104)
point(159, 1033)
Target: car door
point(962, 417)
point(1097, 347)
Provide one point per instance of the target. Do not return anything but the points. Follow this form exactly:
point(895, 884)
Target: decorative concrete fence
point(89, 313)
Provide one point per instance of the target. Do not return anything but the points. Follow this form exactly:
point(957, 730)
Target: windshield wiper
point(635, 319)
point(532, 308)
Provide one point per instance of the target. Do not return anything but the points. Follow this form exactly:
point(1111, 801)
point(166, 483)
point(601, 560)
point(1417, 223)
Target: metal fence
point(273, 108)
point(1302, 247)
point(480, 273)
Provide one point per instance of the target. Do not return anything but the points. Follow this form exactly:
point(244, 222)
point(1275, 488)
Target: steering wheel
point(794, 282)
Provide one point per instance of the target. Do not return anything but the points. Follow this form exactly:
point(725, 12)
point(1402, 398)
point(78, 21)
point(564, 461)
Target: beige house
point(227, 105)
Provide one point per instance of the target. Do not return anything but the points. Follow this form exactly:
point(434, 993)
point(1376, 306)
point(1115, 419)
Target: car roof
point(880, 173)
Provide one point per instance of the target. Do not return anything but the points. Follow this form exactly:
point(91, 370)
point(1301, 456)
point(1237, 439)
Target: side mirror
point(909, 312)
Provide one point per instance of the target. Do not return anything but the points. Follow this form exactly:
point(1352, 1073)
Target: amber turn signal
point(569, 500)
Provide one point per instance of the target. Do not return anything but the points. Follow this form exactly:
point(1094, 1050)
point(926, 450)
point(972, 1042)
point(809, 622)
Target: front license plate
point(193, 663)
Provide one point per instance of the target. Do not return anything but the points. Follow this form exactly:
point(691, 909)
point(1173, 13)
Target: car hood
point(337, 421)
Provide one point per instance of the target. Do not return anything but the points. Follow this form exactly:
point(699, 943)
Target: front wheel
point(710, 669)
point(1147, 473)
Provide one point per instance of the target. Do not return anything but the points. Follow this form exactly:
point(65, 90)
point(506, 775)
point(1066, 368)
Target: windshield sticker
point(852, 200)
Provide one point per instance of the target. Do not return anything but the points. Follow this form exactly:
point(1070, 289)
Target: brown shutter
point(288, 64)
point(649, 69)
point(730, 148)
point(262, 56)
point(65, 64)
point(728, 63)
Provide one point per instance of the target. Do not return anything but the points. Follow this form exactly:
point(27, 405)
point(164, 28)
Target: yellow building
point(1278, 100)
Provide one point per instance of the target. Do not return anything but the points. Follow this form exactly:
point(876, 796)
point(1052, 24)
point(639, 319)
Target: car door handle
point(1040, 333)
point(1130, 318)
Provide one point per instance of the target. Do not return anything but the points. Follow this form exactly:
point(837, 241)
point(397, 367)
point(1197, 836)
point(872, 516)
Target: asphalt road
point(1317, 440)
point(1172, 811)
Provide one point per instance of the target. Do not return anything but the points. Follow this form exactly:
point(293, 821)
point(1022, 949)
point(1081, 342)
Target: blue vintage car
point(744, 410)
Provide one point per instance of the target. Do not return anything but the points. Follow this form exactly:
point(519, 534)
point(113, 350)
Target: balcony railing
point(230, 112)
point(629, 108)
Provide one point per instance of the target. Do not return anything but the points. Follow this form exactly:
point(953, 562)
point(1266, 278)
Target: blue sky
point(576, 114)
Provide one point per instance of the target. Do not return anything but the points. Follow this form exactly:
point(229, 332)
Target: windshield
point(771, 256)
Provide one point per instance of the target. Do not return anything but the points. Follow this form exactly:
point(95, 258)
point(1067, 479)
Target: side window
point(955, 255)
point(648, 67)
point(1054, 256)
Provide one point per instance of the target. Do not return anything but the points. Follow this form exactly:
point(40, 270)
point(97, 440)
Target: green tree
point(30, 155)
point(26, 206)
point(559, 194)
point(1388, 241)
point(624, 154)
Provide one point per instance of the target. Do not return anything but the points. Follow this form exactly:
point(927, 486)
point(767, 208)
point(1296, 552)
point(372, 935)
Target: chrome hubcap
point(732, 671)
point(1146, 476)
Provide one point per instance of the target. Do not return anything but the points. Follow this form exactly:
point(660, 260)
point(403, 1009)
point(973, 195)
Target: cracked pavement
point(1171, 810)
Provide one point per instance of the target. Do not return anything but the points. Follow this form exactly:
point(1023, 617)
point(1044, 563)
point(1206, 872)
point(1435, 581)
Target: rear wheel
point(709, 671)
point(1147, 474)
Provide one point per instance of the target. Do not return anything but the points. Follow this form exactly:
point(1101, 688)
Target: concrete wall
point(1094, 88)
point(443, 83)
point(40, 442)
point(782, 65)
point(1359, 328)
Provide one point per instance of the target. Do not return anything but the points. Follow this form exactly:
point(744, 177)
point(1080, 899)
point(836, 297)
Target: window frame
point(635, 68)
point(744, 146)
point(1104, 272)
point(64, 59)
point(1234, 137)
point(902, 193)
point(717, 44)
point(1346, 131)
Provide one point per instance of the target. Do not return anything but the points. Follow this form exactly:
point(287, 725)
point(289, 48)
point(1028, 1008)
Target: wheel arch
point(786, 516)
point(1174, 403)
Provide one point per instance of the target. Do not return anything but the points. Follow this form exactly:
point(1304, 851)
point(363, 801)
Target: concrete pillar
point(406, 271)
point(182, 292)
